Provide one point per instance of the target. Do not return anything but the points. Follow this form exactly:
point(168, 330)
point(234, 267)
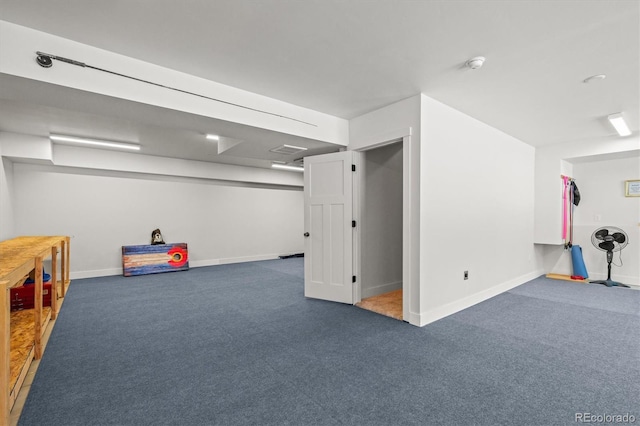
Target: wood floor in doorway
point(388, 304)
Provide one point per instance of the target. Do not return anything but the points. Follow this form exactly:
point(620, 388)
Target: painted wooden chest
point(154, 259)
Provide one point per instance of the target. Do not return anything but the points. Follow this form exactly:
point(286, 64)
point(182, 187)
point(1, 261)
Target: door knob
point(306, 234)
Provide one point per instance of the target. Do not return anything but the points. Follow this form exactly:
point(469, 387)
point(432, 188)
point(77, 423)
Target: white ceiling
point(348, 57)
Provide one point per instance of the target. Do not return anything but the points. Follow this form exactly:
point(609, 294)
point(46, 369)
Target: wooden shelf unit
point(19, 257)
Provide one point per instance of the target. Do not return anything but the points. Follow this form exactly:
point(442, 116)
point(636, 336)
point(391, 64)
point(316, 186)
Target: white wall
point(471, 198)
point(603, 203)
point(103, 211)
point(6, 202)
point(381, 223)
point(106, 199)
point(477, 203)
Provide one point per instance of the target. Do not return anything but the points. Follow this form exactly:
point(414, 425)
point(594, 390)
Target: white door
point(328, 209)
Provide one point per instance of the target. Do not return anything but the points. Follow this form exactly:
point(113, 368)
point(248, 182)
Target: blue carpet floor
point(240, 345)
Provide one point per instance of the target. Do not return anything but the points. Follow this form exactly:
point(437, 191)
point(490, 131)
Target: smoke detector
point(475, 63)
point(593, 78)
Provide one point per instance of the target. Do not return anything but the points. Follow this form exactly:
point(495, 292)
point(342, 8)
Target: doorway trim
point(409, 277)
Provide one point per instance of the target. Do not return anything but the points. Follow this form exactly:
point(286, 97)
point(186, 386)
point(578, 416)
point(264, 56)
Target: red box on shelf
point(23, 297)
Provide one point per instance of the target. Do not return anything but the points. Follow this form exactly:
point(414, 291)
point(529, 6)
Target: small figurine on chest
point(156, 237)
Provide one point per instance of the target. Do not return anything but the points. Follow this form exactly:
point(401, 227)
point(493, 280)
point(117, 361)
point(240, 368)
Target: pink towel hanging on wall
point(565, 186)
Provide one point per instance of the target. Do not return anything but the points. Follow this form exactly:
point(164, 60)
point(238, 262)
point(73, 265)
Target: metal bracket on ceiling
point(45, 60)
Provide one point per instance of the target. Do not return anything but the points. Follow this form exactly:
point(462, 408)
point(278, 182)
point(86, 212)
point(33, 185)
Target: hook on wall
point(44, 60)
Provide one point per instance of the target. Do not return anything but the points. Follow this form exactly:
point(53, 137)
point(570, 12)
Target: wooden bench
point(20, 257)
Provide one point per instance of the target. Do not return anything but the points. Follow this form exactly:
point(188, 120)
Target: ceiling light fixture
point(475, 63)
point(213, 137)
point(94, 142)
point(285, 167)
point(617, 121)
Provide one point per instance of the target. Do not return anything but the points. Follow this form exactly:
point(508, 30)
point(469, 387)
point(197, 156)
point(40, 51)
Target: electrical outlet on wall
point(466, 275)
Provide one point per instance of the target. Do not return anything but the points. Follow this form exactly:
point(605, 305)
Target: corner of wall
point(7, 227)
point(390, 122)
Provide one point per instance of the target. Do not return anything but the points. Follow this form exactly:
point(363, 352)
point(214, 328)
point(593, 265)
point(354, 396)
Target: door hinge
point(353, 167)
point(353, 223)
point(353, 279)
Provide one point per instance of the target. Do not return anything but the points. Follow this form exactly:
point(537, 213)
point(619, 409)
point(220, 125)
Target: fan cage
point(608, 236)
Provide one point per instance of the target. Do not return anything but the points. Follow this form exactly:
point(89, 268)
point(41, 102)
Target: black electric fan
point(609, 239)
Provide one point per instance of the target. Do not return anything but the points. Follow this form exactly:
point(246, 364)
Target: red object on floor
point(23, 297)
point(577, 277)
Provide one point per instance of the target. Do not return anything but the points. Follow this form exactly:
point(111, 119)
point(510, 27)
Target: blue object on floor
point(578, 262)
point(45, 278)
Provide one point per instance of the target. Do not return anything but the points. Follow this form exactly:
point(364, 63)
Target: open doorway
point(381, 230)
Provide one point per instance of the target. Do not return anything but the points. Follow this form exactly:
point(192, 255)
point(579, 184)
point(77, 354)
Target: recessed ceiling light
point(213, 137)
point(617, 121)
point(94, 142)
point(596, 77)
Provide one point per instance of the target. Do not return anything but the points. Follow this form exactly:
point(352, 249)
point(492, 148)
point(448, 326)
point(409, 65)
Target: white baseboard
point(414, 319)
point(77, 275)
point(226, 260)
point(381, 289)
point(466, 302)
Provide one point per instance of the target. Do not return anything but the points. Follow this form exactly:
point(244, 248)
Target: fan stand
point(608, 282)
